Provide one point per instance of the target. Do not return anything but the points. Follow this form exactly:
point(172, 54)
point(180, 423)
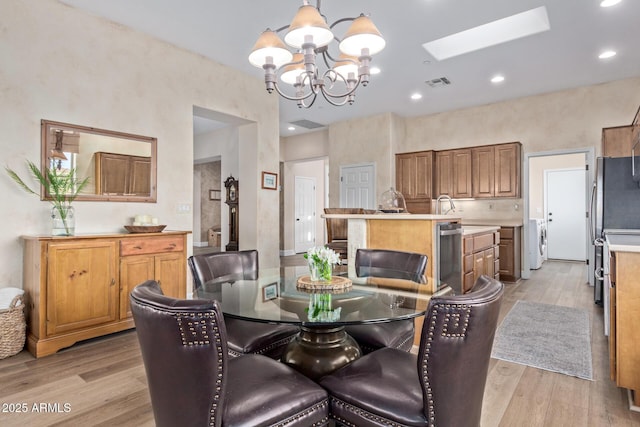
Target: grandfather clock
point(231, 184)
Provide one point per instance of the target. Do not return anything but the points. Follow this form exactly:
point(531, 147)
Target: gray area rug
point(550, 337)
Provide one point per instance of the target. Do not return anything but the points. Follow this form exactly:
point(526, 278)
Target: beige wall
point(537, 167)
point(61, 64)
point(561, 120)
point(311, 145)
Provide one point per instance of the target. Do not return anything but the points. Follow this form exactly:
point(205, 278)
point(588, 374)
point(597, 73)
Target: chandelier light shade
point(269, 45)
point(362, 34)
point(308, 22)
point(311, 69)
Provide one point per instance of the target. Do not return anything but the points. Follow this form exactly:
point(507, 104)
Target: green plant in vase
point(321, 260)
point(61, 185)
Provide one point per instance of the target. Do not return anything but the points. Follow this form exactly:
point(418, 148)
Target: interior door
point(566, 218)
point(305, 213)
point(358, 186)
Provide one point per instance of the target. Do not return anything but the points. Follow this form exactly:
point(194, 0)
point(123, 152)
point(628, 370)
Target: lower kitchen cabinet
point(510, 258)
point(624, 334)
point(480, 256)
point(78, 287)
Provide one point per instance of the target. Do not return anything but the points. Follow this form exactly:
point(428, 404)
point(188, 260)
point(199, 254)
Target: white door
point(358, 186)
point(305, 213)
point(566, 214)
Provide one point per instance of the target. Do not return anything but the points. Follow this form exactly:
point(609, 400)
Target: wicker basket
point(12, 328)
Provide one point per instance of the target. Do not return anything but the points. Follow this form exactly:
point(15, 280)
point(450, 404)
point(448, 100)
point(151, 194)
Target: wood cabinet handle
point(137, 247)
point(113, 281)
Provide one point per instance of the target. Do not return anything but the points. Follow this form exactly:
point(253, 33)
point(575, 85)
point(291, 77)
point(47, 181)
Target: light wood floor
point(103, 380)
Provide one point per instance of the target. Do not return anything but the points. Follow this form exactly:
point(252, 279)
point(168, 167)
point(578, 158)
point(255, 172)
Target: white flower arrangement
point(321, 259)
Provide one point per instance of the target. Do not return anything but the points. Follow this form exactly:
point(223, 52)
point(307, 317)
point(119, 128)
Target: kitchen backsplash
point(486, 209)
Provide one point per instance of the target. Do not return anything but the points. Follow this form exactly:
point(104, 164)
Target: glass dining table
point(322, 345)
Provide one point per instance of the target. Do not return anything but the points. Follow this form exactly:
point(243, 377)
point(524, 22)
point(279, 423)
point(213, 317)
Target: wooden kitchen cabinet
point(480, 255)
point(78, 287)
point(510, 258)
point(507, 169)
point(624, 334)
point(617, 141)
point(453, 173)
point(414, 179)
point(483, 167)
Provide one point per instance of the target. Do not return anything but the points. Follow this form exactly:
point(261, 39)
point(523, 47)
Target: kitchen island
point(401, 232)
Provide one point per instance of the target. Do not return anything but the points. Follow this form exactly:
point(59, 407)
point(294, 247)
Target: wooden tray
point(337, 283)
point(144, 228)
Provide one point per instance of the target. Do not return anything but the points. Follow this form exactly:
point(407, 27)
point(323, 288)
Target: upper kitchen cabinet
point(483, 167)
point(453, 173)
point(617, 141)
point(414, 179)
point(507, 169)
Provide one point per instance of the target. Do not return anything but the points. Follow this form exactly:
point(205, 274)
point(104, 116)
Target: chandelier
point(310, 36)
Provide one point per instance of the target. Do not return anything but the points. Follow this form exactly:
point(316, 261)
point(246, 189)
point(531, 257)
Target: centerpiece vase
point(63, 221)
point(320, 271)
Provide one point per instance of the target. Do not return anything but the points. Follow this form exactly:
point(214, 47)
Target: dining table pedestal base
point(320, 350)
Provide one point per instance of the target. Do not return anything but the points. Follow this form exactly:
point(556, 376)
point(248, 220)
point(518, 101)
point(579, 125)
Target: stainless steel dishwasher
point(448, 268)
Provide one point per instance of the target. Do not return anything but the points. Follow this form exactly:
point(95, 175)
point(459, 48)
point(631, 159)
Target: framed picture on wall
point(270, 180)
point(214, 194)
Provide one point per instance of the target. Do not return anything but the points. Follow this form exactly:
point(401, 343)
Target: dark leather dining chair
point(394, 265)
point(243, 336)
point(443, 385)
point(193, 381)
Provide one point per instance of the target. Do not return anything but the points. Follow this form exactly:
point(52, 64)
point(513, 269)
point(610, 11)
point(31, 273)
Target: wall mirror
point(121, 167)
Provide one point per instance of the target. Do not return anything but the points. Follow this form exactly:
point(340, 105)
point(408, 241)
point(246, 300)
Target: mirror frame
point(47, 125)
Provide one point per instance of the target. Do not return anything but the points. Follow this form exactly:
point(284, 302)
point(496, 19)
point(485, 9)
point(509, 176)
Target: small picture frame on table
point(269, 292)
point(270, 180)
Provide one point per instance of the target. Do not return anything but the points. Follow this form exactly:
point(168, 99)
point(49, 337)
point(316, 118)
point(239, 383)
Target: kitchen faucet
point(452, 207)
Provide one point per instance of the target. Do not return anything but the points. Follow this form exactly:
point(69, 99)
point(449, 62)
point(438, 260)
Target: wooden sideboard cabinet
point(510, 258)
point(78, 287)
point(414, 179)
point(481, 255)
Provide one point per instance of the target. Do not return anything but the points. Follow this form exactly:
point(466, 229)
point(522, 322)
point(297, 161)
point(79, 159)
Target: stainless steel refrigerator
point(615, 206)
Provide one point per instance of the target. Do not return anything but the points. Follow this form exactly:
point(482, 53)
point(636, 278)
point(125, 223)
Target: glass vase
point(63, 221)
point(320, 271)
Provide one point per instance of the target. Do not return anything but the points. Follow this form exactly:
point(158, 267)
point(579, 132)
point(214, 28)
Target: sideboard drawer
point(151, 245)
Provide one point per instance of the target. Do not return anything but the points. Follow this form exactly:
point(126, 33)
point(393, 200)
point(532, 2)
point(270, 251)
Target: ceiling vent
point(307, 124)
point(441, 81)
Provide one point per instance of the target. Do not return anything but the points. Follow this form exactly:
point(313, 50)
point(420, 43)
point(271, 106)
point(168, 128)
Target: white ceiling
point(564, 57)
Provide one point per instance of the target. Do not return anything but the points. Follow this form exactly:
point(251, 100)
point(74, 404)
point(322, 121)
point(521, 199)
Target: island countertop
point(623, 242)
point(394, 216)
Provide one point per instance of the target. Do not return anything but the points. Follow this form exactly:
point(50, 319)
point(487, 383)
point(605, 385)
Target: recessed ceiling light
point(503, 30)
point(374, 70)
point(291, 128)
point(497, 79)
point(609, 3)
point(607, 54)
point(416, 96)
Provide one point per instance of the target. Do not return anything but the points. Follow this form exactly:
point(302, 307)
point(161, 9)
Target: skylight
point(513, 27)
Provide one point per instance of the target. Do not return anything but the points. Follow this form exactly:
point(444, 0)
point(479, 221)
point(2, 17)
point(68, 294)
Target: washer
point(537, 243)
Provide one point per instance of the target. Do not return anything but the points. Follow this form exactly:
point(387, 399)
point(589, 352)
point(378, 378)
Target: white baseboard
point(201, 244)
point(632, 407)
point(287, 252)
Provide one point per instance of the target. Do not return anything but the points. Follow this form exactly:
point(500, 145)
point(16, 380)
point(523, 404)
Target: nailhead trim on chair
point(263, 350)
point(365, 414)
point(195, 330)
point(294, 418)
point(453, 313)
